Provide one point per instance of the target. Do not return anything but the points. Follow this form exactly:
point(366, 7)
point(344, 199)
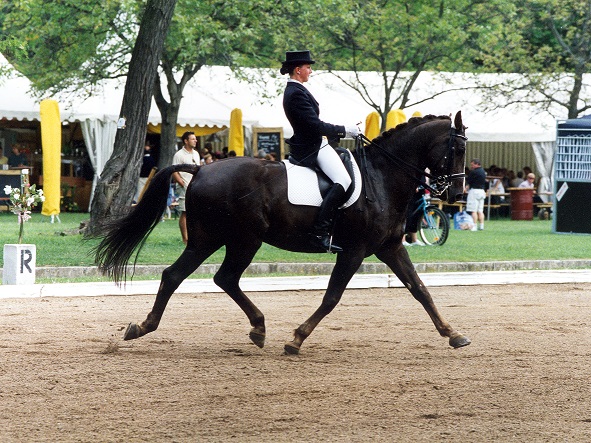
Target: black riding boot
point(324, 220)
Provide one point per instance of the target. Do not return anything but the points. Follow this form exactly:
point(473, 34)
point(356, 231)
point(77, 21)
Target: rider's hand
point(353, 131)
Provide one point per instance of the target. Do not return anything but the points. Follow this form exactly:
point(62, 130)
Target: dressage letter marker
point(19, 264)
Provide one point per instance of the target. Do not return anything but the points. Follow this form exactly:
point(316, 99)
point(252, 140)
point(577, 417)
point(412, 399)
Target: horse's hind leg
point(172, 277)
point(397, 259)
point(238, 257)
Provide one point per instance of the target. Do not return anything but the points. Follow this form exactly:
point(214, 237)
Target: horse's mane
point(411, 123)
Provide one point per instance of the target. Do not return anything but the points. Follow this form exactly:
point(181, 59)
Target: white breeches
point(331, 164)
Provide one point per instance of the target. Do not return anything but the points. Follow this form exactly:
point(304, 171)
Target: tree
point(113, 191)
point(222, 33)
point(550, 52)
point(396, 39)
point(60, 40)
point(202, 32)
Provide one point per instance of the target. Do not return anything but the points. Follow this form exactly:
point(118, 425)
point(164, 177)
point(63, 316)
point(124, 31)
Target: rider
point(307, 147)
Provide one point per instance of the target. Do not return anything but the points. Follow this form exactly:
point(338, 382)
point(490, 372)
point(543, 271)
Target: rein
point(441, 182)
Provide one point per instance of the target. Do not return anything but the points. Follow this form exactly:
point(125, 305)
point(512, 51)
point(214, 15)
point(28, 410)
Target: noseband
point(443, 182)
point(440, 183)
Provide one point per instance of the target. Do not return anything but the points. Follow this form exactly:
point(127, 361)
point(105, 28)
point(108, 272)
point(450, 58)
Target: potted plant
point(19, 259)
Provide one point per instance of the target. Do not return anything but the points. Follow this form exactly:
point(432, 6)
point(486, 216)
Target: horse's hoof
point(291, 349)
point(132, 332)
point(459, 341)
point(257, 338)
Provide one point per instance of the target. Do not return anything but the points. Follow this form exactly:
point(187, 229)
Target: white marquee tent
point(210, 97)
point(212, 94)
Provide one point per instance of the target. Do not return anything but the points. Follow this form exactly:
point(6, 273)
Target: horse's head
point(430, 142)
point(446, 159)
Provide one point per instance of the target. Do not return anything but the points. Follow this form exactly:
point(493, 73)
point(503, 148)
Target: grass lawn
point(501, 240)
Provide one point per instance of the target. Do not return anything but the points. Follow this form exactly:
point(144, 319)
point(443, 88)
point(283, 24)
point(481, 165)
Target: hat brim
point(299, 62)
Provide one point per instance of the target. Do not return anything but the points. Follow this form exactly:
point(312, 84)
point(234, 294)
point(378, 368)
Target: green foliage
point(548, 43)
point(61, 38)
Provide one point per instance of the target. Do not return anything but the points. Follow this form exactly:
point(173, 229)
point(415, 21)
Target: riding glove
point(353, 131)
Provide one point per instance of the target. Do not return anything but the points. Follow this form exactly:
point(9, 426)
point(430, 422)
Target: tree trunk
point(168, 145)
point(117, 184)
point(169, 111)
point(575, 93)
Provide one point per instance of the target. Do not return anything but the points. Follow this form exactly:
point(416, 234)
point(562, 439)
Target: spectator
point(3, 158)
point(17, 158)
point(475, 183)
point(526, 170)
point(188, 154)
point(207, 149)
point(496, 186)
point(148, 163)
point(529, 183)
point(517, 180)
point(413, 215)
point(505, 178)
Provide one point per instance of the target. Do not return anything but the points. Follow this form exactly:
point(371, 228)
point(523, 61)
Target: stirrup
point(324, 242)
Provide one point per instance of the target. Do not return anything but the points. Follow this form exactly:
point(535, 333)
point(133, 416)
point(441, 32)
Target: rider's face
point(302, 73)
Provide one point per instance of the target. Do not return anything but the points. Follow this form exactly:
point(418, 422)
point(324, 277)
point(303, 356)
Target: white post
point(19, 264)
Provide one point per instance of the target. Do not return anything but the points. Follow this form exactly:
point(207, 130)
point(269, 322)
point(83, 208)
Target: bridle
point(439, 184)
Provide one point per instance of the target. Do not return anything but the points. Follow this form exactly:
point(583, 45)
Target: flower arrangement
point(22, 200)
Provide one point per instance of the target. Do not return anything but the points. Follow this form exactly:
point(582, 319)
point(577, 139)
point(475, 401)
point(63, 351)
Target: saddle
point(308, 186)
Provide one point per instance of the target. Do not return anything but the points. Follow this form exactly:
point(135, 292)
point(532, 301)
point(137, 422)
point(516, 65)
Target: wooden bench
point(460, 204)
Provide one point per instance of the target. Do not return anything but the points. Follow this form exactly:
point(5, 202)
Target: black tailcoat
point(302, 111)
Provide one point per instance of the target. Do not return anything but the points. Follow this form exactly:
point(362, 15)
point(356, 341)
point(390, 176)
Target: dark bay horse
point(242, 202)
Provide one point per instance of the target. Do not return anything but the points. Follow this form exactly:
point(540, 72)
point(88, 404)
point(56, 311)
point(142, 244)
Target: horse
point(242, 202)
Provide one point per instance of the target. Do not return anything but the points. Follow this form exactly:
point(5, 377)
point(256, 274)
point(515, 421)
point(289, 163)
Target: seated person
point(528, 183)
point(17, 158)
point(496, 187)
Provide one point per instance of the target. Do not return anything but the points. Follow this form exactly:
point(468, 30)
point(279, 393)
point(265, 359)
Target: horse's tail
point(123, 236)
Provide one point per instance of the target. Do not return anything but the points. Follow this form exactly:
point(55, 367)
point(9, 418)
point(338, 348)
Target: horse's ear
point(458, 121)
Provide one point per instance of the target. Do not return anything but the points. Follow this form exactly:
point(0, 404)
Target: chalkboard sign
point(267, 140)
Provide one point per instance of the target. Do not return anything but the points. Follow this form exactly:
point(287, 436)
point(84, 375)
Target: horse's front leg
point(396, 257)
point(341, 274)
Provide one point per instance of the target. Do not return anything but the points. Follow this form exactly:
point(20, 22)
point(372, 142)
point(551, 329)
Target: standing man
point(186, 155)
point(475, 183)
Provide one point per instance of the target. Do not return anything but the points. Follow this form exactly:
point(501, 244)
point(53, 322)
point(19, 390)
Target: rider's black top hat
point(298, 57)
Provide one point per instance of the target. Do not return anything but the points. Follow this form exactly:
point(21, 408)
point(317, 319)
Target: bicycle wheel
point(433, 226)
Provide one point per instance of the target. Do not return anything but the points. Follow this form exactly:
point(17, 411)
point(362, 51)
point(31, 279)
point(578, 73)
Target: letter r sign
point(26, 258)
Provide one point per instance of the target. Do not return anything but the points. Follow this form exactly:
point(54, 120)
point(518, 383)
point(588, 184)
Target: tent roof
point(212, 94)
point(197, 109)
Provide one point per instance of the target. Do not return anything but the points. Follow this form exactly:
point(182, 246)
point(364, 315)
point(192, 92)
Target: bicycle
point(433, 225)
